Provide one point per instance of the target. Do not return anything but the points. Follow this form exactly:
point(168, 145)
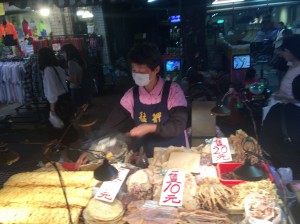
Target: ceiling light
point(87, 14)
point(79, 12)
point(225, 1)
point(151, 1)
point(45, 12)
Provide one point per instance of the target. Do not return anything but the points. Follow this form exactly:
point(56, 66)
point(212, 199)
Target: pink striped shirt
point(176, 96)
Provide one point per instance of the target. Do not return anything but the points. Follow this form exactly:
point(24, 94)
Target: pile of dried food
point(149, 212)
point(102, 212)
point(37, 197)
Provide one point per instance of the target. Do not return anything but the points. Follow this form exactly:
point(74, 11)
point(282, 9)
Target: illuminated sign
point(175, 19)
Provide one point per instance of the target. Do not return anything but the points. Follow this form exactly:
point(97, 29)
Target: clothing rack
point(33, 102)
point(11, 59)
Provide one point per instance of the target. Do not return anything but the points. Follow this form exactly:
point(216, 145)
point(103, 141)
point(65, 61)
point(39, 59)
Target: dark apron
point(153, 114)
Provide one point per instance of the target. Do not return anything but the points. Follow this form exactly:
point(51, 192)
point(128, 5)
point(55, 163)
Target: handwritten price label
point(172, 191)
point(109, 189)
point(220, 150)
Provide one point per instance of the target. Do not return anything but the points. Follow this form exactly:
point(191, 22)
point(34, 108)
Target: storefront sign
point(172, 190)
point(109, 189)
point(220, 150)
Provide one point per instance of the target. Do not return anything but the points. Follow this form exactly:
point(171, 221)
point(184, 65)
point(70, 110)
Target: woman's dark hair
point(72, 53)
point(46, 58)
point(145, 54)
point(293, 45)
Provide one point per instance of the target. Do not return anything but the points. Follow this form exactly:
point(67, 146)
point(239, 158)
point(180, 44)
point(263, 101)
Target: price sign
point(109, 189)
point(220, 150)
point(172, 190)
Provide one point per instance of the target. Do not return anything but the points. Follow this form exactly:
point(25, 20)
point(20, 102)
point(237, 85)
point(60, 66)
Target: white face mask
point(141, 79)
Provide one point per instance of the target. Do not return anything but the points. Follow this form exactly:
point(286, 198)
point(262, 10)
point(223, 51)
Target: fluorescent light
point(87, 14)
point(151, 1)
point(225, 1)
point(79, 12)
point(45, 12)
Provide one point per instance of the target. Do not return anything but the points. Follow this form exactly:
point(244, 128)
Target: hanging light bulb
point(45, 11)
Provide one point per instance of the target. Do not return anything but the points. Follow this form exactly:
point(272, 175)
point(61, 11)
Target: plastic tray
point(229, 167)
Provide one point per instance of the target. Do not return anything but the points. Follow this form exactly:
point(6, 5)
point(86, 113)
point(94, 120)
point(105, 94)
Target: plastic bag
point(286, 174)
point(148, 212)
point(55, 121)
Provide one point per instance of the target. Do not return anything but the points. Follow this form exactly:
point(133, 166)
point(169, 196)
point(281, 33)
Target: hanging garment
point(26, 29)
point(13, 80)
point(42, 29)
point(9, 34)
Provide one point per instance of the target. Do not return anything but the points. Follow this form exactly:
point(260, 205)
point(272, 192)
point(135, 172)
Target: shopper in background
point(280, 134)
point(291, 53)
point(279, 36)
point(278, 62)
point(56, 92)
point(76, 71)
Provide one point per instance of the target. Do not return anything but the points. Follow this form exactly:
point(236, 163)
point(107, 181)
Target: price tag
point(109, 189)
point(220, 150)
point(172, 190)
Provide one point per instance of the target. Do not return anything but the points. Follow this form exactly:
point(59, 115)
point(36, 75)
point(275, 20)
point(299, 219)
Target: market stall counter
point(180, 185)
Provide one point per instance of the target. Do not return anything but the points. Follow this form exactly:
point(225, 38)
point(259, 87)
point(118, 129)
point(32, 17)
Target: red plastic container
point(229, 167)
point(68, 166)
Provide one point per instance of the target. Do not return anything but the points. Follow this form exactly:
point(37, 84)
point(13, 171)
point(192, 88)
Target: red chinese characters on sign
point(105, 195)
point(109, 189)
point(220, 150)
point(173, 188)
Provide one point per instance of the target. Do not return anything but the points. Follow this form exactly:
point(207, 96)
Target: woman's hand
point(81, 160)
point(142, 130)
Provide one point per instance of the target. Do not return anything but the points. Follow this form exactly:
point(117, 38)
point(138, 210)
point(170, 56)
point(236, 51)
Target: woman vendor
point(157, 107)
